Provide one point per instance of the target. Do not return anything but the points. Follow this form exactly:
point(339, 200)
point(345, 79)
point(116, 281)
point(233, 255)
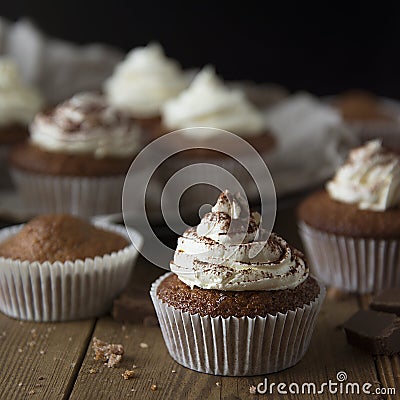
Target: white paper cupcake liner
point(63, 291)
point(236, 346)
point(82, 196)
point(359, 265)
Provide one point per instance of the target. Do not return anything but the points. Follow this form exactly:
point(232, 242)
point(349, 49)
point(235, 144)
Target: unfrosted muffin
point(351, 230)
point(60, 267)
point(76, 158)
point(234, 305)
point(143, 82)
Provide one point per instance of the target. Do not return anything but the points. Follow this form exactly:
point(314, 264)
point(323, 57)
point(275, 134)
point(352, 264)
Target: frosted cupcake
point(351, 229)
point(236, 309)
point(76, 158)
point(143, 82)
point(59, 267)
point(18, 105)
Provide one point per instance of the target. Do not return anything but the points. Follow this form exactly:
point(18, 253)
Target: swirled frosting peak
point(370, 178)
point(210, 256)
point(18, 102)
point(86, 124)
point(207, 102)
point(143, 82)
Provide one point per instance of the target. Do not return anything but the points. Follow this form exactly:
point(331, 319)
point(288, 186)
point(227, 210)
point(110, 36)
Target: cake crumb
point(218, 383)
point(253, 390)
point(31, 392)
point(153, 387)
point(19, 350)
point(20, 384)
point(92, 371)
point(34, 333)
point(110, 353)
point(128, 374)
point(38, 385)
point(144, 345)
point(31, 343)
point(41, 378)
point(173, 371)
point(42, 352)
point(70, 339)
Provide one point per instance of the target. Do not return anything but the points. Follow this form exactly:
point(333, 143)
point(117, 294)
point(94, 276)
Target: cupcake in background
point(143, 82)
point(235, 305)
point(372, 117)
point(18, 105)
point(351, 229)
point(76, 158)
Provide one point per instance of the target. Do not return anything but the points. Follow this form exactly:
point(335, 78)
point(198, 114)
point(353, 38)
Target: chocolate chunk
point(388, 301)
point(374, 331)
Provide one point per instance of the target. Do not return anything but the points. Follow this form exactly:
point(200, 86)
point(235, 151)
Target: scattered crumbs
point(253, 390)
point(144, 345)
point(134, 366)
point(108, 352)
point(31, 392)
point(42, 352)
point(73, 364)
point(153, 387)
point(128, 374)
point(20, 384)
point(173, 371)
point(133, 390)
point(218, 383)
point(31, 343)
point(92, 371)
point(34, 333)
point(19, 350)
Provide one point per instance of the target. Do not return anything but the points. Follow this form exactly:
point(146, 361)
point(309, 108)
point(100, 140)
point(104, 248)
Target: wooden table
point(55, 360)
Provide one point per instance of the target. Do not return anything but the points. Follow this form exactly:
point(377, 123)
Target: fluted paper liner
point(362, 265)
point(63, 291)
point(83, 196)
point(236, 346)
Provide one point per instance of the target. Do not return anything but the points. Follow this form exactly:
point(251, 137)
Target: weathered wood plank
point(40, 360)
point(389, 374)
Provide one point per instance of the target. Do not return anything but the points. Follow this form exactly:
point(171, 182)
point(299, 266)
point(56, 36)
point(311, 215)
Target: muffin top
point(86, 124)
point(18, 102)
point(228, 251)
point(60, 237)
point(207, 102)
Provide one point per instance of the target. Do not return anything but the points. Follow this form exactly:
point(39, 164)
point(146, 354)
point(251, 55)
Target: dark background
point(323, 48)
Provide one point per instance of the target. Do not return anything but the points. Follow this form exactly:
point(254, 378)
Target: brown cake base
point(33, 159)
point(226, 304)
point(319, 211)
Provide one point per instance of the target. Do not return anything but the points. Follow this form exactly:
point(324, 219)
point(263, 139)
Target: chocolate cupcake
point(18, 105)
point(76, 158)
point(143, 82)
point(234, 305)
point(59, 267)
point(351, 230)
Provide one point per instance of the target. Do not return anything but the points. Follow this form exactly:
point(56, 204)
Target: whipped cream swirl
point(210, 256)
point(207, 102)
point(370, 178)
point(144, 81)
point(86, 124)
point(18, 102)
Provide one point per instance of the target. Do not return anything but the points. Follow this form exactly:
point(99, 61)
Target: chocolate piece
point(135, 306)
point(229, 303)
point(374, 331)
point(388, 301)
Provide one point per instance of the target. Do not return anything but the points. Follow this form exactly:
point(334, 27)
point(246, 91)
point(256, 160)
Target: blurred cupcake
point(371, 116)
point(351, 230)
point(143, 82)
point(234, 305)
point(76, 158)
point(59, 267)
point(18, 105)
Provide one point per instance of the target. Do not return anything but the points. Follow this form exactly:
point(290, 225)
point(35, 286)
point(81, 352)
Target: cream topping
point(223, 253)
point(86, 124)
point(207, 102)
point(144, 81)
point(18, 102)
point(370, 178)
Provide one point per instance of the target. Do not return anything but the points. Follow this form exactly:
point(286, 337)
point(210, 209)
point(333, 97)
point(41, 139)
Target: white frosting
point(370, 178)
point(207, 102)
point(86, 124)
point(144, 81)
point(18, 102)
point(210, 256)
